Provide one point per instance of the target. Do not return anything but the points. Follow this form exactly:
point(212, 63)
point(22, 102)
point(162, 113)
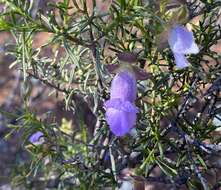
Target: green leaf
point(168, 170)
point(201, 161)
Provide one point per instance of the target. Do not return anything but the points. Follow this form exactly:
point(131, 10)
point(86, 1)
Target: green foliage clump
point(175, 129)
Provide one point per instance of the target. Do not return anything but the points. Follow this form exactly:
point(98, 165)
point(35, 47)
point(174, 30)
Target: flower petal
point(36, 137)
point(120, 122)
point(121, 105)
point(129, 107)
point(113, 103)
point(182, 41)
point(180, 60)
point(124, 86)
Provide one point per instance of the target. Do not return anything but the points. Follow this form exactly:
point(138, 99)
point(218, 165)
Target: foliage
point(175, 127)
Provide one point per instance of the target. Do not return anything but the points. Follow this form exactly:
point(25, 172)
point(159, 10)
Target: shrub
point(87, 45)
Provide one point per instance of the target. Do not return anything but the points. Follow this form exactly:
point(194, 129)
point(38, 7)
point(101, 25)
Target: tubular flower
point(181, 42)
point(120, 109)
point(35, 138)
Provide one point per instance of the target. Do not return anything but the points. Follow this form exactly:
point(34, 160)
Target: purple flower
point(120, 109)
point(120, 115)
point(124, 86)
point(182, 42)
point(36, 137)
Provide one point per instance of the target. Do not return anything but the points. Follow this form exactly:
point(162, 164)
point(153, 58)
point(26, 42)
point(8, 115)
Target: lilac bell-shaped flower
point(181, 42)
point(120, 109)
point(35, 138)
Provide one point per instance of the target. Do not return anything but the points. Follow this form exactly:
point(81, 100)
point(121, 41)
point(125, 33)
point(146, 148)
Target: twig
point(96, 56)
point(48, 83)
point(196, 170)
